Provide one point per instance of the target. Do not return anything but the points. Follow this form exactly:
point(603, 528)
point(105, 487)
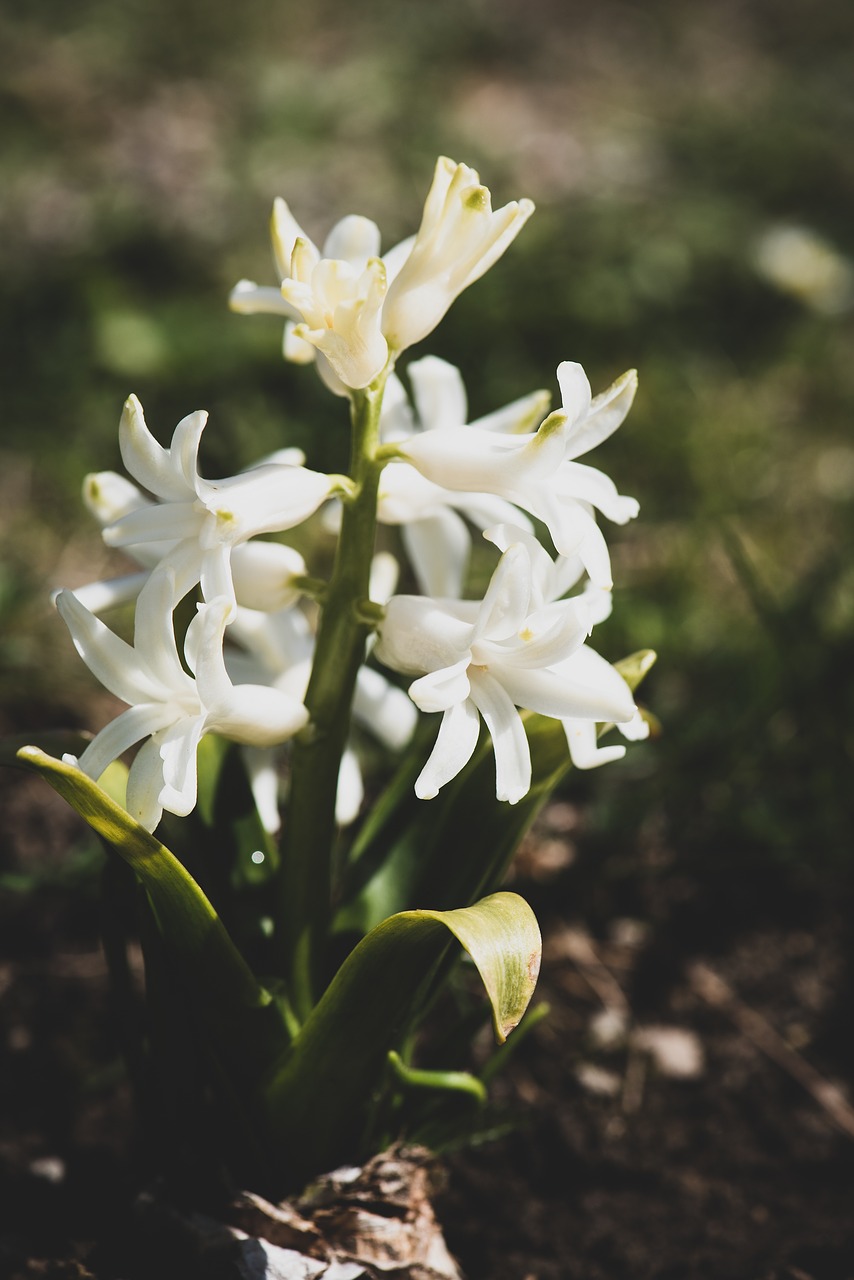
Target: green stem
point(305, 878)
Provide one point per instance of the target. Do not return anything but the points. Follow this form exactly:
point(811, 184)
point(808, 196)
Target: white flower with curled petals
point(354, 308)
point(549, 581)
point(459, 239)
point(330, 299)
point(435, 535)
point(166, 704)
point(266, 575)
point(537, 471)
point(486, 659)
point(195, 523)
point(340, 308)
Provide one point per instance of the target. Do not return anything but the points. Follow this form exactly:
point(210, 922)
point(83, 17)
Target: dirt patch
point(666, 1133)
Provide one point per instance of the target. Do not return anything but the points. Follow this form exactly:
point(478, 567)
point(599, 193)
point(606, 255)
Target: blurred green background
point(694, 176)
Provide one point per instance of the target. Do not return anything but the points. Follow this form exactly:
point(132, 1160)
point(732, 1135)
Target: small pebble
point(675, 1051)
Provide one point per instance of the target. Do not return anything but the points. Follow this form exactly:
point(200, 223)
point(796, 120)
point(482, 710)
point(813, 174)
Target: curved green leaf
point(237, 1011)
point(318, 1096)
point(445, 1081)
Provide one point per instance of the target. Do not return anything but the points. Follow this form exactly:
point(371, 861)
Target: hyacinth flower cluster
point(237, 638)
point(522, 646)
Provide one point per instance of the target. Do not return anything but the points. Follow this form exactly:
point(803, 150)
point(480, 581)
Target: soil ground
point(684, 1102)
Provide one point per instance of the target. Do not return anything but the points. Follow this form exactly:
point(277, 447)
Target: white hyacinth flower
point(459, 239)
point(170, 707)
point(537, 471)
point(340, 305)
point(330, 299)
point(266, 575)
point(354, 308)
point(550, 580)
point(195, 525)
point(435, 535)
point(473, 659)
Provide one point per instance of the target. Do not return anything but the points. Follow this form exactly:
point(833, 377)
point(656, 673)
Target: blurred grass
point(144, 145)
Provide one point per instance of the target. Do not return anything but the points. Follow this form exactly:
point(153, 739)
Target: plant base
point(353, 1224)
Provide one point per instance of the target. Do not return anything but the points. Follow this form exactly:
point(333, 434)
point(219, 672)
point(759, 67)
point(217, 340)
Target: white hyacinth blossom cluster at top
point(243, 665)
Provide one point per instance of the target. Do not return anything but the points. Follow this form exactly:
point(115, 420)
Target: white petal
point(470, 460)
point(279, 641)
point(396, 257)
point(439, 690)
point(438, 548)
point(575, 532)
point(512, 753)
point(575, 392)
point(485, 509)
point(636, 729)
point(264, 574)
point(203, 651)
point(284, 232)
point(154, 634)
point(521, 416)
point(549, 636)
point(158, 523)
point(144, 785)
point(600, 603)
point(264, 782)
point(396, 417)
point(385, 573)
point(454, 747)
point(249, 299)
point(294, 348)
point(587, 484)
point(439, 393)
point(570, 689)
point(287, 457)
point(405, 495)
point(267, 499)
point(506, 603)
point(328, 376)
point(419, 634)
point(110, 659)
point(185, 448)
point(146, 460)
point(215, 578)
point(355, 239)
point(383, 709)
point(609, 697)
point(257, 715)
point(350, 792)
point(604, 416)
point(100, 596)
point(109, 496)
point(178, 749)
point(542, 568)
point(581, 740)
point(123, 732)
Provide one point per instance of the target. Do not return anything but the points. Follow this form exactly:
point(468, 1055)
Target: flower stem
point(305, 878)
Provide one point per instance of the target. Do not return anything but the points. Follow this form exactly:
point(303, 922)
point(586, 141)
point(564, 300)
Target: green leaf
point(318, 1097)
point(637, 665)
point(238, 1014)
point(447, 1081)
